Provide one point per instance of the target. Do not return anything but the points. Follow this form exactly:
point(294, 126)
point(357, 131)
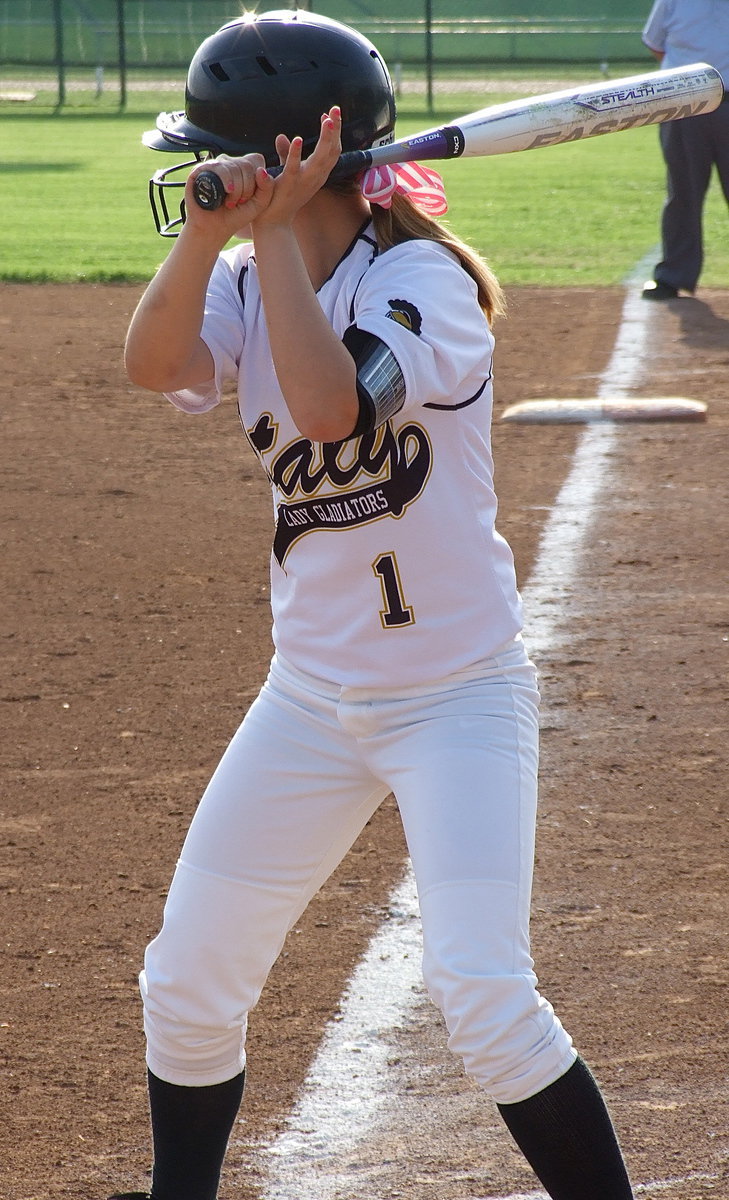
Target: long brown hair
point(403, 222)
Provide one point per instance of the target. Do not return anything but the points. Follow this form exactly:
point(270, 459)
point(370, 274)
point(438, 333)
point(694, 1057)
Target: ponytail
point(404, 222)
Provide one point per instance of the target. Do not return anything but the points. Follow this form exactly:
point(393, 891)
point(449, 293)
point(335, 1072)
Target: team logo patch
point(405, 314)
point(263, 435)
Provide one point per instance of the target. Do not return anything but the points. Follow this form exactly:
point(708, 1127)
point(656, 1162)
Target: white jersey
point(386, 569)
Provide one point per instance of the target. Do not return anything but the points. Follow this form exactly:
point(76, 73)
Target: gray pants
point(690, 148)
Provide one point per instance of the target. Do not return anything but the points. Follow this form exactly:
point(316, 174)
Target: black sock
point(190, 1131)
point(566, 1135)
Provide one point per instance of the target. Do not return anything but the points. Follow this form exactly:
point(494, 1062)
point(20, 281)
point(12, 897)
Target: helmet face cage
point(166, 224)
point(272, 73)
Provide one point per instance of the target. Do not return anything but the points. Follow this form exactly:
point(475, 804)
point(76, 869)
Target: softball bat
point(547, 120)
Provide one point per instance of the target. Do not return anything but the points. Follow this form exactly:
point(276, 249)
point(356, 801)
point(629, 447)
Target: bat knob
point(208, 190)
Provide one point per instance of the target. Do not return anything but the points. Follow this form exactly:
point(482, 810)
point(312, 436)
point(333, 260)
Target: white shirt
point(689, 31)
point(386, 568)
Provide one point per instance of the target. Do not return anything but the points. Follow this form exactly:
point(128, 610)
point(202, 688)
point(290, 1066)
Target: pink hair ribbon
point(423, 185)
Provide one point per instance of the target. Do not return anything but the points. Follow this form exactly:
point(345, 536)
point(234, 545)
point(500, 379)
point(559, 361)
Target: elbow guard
point(380, 382)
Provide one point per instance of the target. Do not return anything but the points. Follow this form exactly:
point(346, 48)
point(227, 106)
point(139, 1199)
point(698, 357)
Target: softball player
point(357, 329)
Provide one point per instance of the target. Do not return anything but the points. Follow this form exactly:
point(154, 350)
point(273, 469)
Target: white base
point(573, 412)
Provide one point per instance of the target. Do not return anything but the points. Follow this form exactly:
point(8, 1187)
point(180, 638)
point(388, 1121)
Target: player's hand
point(244, 199)
point(299, 180)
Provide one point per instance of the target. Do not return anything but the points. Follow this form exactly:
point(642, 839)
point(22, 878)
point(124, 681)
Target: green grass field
point(73, 193)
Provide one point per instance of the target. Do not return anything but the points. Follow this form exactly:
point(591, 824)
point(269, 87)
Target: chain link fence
point(102, 42)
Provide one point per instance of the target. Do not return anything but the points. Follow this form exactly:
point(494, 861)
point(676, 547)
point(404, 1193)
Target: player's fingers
point(282, 144)
point(264, 191)
point(237, 175)
point(332, 122)
point(292, 158)
point(331, 129)
point(329, 146)
point(240, 179)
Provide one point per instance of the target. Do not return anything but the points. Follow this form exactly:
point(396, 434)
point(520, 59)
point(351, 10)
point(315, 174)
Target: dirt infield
point(135, 632)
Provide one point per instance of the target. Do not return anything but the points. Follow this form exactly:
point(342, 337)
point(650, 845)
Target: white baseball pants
point(305, 771)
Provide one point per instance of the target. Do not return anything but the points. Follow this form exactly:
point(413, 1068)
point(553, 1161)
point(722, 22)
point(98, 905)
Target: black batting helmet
point(277, 72)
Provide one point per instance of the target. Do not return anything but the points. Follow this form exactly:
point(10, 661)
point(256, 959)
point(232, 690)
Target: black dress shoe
point(131, 1196)
point(659, 291)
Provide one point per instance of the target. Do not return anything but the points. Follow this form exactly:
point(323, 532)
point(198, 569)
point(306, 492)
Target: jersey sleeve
point(222, 331)
point(418, 299)
point(655, 30)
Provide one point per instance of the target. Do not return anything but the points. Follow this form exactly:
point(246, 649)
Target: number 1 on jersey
point(396, 612)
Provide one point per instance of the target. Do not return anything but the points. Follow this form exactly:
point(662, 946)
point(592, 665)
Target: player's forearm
point(315, 371)
point(164, 351)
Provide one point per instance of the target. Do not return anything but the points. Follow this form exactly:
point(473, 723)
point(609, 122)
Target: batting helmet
point(277, 72)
